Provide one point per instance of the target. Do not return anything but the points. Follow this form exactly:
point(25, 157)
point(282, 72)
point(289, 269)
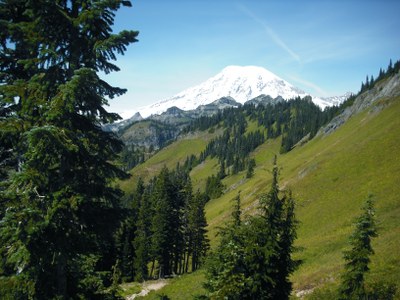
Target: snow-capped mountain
point(334, 100)
point(240, 83)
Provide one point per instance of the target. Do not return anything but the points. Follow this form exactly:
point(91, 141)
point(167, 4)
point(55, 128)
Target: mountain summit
point(240, 83)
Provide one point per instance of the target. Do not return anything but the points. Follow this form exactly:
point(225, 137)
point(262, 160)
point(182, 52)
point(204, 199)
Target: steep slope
point(330, 177)
point(240, 83)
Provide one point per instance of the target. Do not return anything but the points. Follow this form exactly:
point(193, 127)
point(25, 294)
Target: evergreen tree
point(390, 68)
point(198, 242)
point(381, 74)
point(162, 236)
point(226, 276)
point(250, 168)
point(357, 258)
point(59, 209)
point(254, 258)
point(286, 264)
point(141, 242)
point(222, 171)
point(214, 187)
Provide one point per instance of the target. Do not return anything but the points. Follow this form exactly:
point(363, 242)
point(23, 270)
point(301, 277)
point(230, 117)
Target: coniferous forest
point(67, 231)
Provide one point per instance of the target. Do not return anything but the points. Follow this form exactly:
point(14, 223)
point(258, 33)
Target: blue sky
point(325, 48)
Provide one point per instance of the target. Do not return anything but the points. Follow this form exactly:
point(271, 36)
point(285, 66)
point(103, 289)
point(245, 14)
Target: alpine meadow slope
point(330, 177)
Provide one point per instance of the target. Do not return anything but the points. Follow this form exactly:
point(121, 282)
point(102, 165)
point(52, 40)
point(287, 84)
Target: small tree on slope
point(357, 258)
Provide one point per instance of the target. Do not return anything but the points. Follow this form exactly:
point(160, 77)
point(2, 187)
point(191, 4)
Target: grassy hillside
point(330, 177)
point(169, 157)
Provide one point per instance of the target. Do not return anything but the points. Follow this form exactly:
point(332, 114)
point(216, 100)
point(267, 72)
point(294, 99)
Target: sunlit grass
point(181, 288)
point(330, 177)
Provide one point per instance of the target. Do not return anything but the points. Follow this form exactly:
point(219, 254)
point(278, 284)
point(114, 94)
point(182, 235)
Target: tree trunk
point(152, 268)
point(187, 262)
point(61, 276)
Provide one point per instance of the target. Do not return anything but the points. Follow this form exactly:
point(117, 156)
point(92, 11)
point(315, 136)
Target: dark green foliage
point(190, 162)
point(178, 224)
point(293, 119)
point(163, 231)
point(214, 187)
point(253, 259)
point(170, 229)
point(357, 258)
point(162, 297)
point(125, 248)
point(226, 266)
point(131, 157)
point(233, 146)
point(278, 226)
point(250, 168)
point(381, 291)
point(197, 242)
point(141, 242)
point(58, 209)
point(207, 122)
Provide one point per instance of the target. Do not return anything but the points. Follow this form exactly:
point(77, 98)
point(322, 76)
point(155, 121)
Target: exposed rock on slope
point(384, 89)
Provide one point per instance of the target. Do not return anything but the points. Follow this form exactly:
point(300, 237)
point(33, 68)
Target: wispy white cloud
point(320, 92)
point(270, 32)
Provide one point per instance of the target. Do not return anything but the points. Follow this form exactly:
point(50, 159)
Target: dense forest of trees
point(165, 228)
point(131, 156)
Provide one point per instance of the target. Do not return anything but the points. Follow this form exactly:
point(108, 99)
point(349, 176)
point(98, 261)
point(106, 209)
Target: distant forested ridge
point(295, 120)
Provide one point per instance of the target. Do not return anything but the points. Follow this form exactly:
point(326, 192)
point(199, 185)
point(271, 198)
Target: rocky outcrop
point(149, 133)
point(384, 89)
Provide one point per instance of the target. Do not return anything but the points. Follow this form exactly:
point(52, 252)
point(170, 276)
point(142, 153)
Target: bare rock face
point(384, 89)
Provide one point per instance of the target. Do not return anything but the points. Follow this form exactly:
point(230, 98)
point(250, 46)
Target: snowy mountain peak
point(242, 83)
point(248, 71)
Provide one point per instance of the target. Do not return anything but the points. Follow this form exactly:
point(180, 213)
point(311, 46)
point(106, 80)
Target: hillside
point(169, 156)
point(330, 176)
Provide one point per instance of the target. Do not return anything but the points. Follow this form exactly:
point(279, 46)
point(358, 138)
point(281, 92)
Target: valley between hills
point(241, 187)
point(355, 155)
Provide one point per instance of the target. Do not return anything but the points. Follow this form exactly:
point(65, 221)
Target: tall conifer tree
point(254, 258)
point(197, 230)
point(59, 209)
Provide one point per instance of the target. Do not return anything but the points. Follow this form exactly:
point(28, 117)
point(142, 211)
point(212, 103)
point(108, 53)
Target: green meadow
point(330, 177)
